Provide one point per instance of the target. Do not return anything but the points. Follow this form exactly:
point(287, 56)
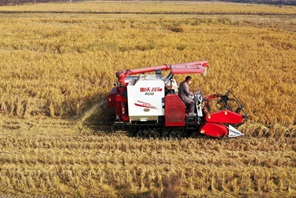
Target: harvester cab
point(150, 102)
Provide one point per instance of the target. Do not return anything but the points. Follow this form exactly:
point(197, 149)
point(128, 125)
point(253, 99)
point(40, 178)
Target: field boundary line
point(150, 13)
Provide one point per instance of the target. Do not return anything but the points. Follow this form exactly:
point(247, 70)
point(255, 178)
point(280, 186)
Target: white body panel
point(146, 98)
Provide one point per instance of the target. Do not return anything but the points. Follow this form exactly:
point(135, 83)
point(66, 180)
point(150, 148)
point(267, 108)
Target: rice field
point(58, 61)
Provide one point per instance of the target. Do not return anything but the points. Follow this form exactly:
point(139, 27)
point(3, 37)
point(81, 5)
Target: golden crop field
point(58, 61)
point(155, 7)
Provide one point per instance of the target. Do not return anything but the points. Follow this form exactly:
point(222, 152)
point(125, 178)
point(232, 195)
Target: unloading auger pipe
point(182, 68)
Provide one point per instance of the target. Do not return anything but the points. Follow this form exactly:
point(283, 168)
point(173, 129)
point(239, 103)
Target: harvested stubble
point(97, 165)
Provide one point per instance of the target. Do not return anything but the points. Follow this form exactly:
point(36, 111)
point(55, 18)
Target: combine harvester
point(149, 103)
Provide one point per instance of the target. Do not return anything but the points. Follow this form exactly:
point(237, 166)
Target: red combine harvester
point(150, 104)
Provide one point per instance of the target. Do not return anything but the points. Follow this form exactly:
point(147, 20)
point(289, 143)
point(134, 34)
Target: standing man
point(186, 95)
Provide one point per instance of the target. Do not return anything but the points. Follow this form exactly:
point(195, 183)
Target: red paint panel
point(118, 98)
point(175, 111)
point(224, 117)
point(111, 97)
point(121, 105)
point(187, 69)
point(214, 130)
point(111, 100)
point(203, 63)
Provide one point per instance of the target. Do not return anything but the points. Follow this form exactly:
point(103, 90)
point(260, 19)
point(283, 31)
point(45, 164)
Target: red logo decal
point(144, 104)
point(152, 89)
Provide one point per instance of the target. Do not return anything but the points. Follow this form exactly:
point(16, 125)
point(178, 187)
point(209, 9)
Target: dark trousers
point(189, 104)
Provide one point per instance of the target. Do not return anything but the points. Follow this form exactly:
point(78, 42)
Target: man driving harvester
point(186, 95)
